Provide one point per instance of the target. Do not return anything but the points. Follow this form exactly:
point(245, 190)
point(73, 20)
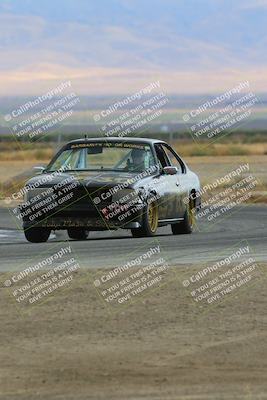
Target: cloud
point(110, 46)
point(39, 78)
point(254, 4)
point(17, 28)
point(201, 55)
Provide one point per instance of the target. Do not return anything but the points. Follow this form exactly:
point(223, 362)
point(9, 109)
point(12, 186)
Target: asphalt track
point(105, 249)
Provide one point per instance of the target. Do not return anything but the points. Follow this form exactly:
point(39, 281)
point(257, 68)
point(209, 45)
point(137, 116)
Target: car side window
point(174, 160)
point(161, 156)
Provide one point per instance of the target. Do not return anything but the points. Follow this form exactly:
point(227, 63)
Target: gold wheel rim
point(153, 217)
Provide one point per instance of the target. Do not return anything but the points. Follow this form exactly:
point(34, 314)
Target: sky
point(119, 46)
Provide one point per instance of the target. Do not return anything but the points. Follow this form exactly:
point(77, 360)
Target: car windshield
point(107, 156)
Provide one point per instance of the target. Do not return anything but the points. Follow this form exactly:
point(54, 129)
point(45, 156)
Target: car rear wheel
point(149, 222)
point(78, 233)
point(187, 225)
point(37, 235)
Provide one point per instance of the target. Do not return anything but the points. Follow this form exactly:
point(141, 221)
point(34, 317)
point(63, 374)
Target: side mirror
point(39, 169)
point(170, 170)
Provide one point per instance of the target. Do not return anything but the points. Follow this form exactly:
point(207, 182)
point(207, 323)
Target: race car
point(97, 184)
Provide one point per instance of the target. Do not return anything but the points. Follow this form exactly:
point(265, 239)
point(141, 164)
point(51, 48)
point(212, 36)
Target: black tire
point(149, 227)
point(78, 233)
point(137, 232)
point(187, 225)
point(37, 235)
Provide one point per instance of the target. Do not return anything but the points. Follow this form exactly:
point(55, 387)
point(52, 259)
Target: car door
point(167, 188)
point(177, 182)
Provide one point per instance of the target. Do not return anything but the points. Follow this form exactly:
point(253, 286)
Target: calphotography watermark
point(141, 272)
point(44, 114)
point(128, 200)
point(42, 181)
point(133, 113)
point(222, 114)
point(43, 199)
point(44, 277)
point(224, 193)
point(234, 270)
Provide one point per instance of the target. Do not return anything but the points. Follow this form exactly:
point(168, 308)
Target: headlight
point(30, 194)
point(125, 196)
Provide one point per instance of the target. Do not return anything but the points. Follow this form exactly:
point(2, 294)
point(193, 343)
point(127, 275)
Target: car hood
point(86, 178)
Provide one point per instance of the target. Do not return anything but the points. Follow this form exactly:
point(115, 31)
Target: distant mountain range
point(171, 119)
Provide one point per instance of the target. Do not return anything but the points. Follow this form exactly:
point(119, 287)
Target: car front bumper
point(96, 220)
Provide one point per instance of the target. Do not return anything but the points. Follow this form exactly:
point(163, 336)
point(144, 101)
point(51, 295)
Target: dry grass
point(43, 155)
point(44, 151)
point(189, 149)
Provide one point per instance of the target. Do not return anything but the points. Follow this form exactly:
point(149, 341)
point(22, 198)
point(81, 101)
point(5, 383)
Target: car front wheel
point(78, 233)
point(150, 220)
point(37, 235)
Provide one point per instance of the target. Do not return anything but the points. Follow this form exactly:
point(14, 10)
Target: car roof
point(117, 139)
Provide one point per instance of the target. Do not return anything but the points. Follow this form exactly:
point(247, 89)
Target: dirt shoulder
point(161, 347)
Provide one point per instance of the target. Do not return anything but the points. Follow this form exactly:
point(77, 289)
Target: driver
point(138, 160)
